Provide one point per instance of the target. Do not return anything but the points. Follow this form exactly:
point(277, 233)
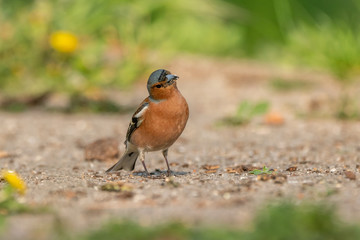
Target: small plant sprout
point(245, 112)
point(264, 170)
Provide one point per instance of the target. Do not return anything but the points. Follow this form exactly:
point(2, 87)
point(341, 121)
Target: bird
point(156, 124)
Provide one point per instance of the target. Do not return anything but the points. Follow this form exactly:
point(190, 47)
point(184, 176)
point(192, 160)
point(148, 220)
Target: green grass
point(286, 85)
point(348, 108)
point(279, 221)
point(268, 23)
point(83, 104)
point(178, 231)
point(119, 41)
point(336, 55)
point(331, 47)
point(328, 46)
point(14, 107)
point(306, 221)
point(10, 204)
point(245, 112)
point(275, 222)
point(122, 41)
point(11, 192)
point(2, 223)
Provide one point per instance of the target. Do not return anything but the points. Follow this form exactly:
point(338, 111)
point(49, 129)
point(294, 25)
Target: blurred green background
point(76, 46)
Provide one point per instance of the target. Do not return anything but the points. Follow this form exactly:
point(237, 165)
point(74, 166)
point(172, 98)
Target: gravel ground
point(48, 153)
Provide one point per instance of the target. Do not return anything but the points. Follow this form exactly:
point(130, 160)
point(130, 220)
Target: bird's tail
point(126, 162)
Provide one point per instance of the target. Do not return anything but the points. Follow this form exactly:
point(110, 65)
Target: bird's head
point(161, 84)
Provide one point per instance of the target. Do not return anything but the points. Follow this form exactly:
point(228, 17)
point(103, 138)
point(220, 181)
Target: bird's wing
point(137, 118)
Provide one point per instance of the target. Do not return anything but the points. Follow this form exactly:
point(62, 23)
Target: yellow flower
point(14, 180)
point(64, 42)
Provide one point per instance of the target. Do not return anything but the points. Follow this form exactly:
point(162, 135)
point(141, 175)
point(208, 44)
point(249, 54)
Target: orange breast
point(163, 123)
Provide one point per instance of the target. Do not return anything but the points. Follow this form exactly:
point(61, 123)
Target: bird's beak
point(171, 78)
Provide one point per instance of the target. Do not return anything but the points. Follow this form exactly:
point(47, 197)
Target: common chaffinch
point(157, 123)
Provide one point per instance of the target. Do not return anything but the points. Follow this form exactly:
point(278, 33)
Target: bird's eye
point(158, 86)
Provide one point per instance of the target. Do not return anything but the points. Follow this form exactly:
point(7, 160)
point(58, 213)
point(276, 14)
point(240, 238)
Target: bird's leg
point(165, 152)
point(142, 158)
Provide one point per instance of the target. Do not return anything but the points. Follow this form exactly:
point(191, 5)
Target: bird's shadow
point(159, 174)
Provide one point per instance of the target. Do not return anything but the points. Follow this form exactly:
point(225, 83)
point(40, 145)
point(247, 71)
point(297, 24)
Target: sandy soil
point(49, 155)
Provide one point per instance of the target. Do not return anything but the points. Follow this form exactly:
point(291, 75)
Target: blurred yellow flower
point(14, 180)
point(64, 42)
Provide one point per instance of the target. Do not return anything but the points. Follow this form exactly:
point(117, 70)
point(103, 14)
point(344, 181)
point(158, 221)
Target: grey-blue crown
point(157, 76)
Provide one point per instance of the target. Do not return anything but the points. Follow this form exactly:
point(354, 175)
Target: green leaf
point(260, 108)
point(265, 170)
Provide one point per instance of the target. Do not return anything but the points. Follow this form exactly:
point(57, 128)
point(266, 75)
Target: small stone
point(185, 165)
point(227, 196)
point(280, 178)
point(105, 149)
point(170, 181)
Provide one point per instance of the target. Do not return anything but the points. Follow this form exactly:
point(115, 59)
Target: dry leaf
point(350, 175)
point(236, 169)
point(4, 154)
point(211, 171)
point(278, 178)
point(210, 167)
point(274, 118)
point(69, 194)
point(242, 168)
point(315, 170)
point(291, 169)
point(264, 177)
point(249, 168)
